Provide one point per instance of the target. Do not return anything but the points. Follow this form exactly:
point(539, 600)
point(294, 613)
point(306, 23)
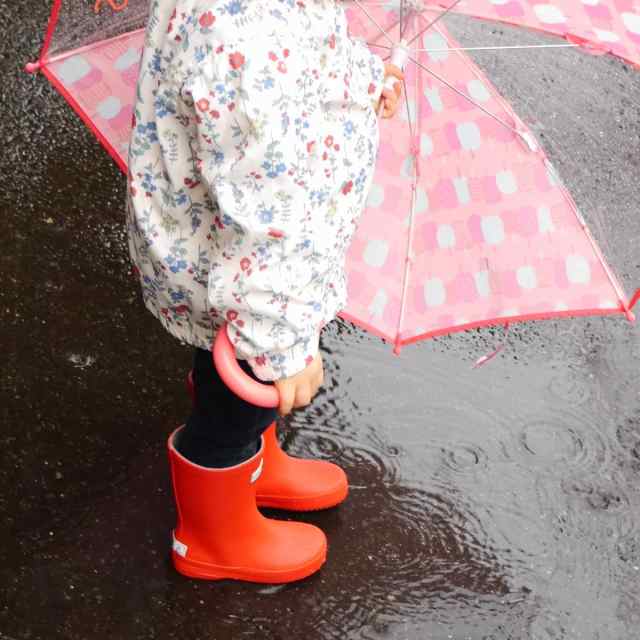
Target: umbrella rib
point(409, 257)
point(87, 47)
point(619, 291)
point(433, 22)
point(382, 31)
point(500, 48)
point(466, 97)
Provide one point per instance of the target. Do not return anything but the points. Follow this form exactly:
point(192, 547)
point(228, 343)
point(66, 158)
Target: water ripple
point(560, 439)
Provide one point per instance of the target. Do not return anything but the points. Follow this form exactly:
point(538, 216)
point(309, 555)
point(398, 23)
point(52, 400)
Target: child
point(252, 153)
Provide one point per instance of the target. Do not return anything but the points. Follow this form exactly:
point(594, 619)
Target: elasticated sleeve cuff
point(285, 362)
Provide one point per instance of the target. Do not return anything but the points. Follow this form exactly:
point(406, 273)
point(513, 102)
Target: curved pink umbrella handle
point(224, 360)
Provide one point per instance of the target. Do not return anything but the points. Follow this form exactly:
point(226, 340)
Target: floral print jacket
point(252, 153)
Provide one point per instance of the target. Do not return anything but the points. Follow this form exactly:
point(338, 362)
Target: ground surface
point(497, 503)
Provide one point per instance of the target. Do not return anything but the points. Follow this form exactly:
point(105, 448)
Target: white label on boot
point(256, 474)
point(179, 547)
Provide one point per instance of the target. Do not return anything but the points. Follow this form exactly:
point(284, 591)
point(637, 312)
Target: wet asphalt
point(494, 503)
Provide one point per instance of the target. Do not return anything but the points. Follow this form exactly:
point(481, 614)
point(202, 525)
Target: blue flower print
point(199, 54)
point(348, 128)
point(234, 7)
point(148, 182)
point(176, 296)
point(265, 215)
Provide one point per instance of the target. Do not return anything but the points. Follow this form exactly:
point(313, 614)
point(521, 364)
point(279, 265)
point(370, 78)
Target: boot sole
point(316, 503)
point(206, 571)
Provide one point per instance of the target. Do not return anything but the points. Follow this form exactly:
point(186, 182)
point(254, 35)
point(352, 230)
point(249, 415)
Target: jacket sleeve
point(367, 67)
point(367, 70)
point(251, 157)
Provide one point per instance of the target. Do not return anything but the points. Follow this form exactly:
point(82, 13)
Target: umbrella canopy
point(467, 223)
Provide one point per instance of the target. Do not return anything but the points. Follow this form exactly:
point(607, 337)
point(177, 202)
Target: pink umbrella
point(467, 223)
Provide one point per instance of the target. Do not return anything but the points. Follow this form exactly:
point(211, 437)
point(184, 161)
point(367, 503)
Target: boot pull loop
point(245, 387)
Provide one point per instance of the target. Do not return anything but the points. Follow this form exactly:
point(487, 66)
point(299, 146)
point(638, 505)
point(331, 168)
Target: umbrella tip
point(32, 67)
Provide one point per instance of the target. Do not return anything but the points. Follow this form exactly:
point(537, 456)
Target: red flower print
point(325, 155)
point(308, 360)
point(285, 53)
point(272, 56)
point(220, 49)
point(231, 315)
point(328, 141)
point(332, 41)
point(372, 88)
point(275, 233)
point(207, 19)
point(310, 146)
point(347, 186)
point(214, 114)
point(245, 263)
point(240, 323)
point(261, 361)
point(182, 308)
point(236, 60)
point(203, 104)
point(231, 106)
point(336, 147)
point(282, 67)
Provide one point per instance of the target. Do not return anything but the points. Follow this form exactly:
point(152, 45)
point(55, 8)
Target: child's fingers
point(303, 396)
point(392, 70)
point(397, 90)
point(287, 397)
point(390, 104)
point(390, 96)
point(320, 379)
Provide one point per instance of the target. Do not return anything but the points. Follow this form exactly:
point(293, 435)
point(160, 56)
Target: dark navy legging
point(222, 430)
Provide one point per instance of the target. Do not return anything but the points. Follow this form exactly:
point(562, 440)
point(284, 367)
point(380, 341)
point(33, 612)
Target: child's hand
point(298, 391)
point(391, 99)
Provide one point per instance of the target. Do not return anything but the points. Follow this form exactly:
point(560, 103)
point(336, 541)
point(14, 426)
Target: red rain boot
point(221, 534)
point(297, 484)
point(294, 483)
